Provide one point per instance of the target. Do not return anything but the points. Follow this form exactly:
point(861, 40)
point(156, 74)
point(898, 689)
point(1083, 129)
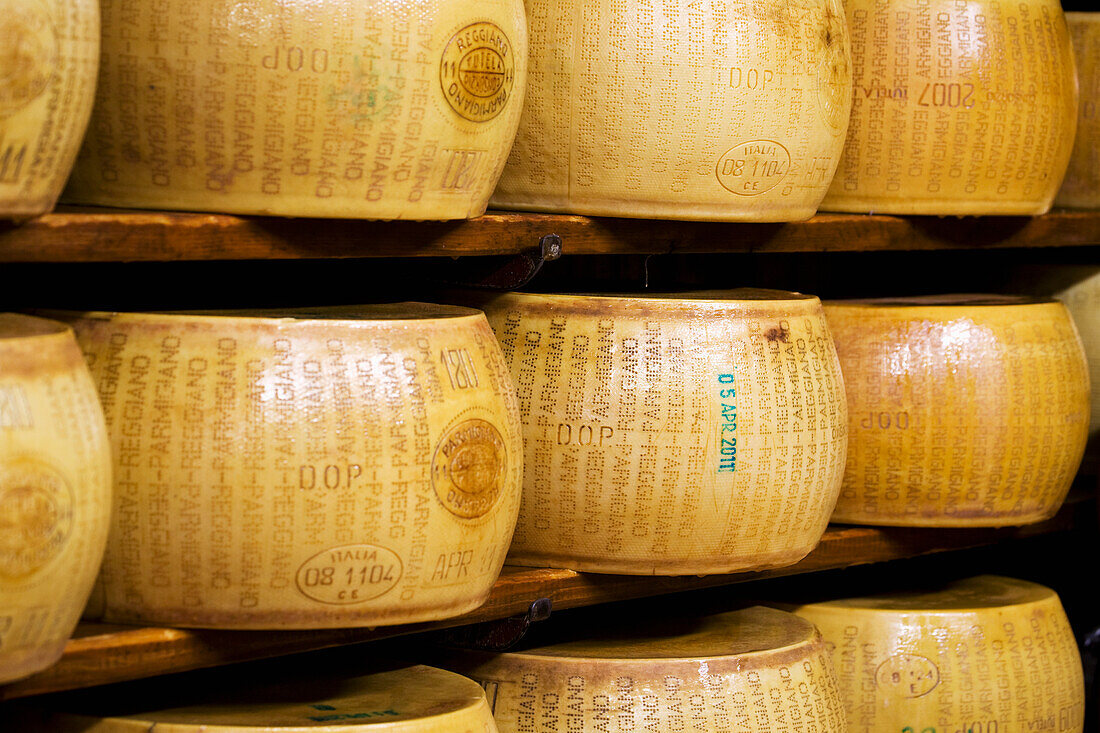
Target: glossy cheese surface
point(963, 411)
point(326, 468)
point(722, 672)
point(405, 700)
point(981, 654)
point(693, 434)
point(726, 111)
point(957, 108)
point(49, 52)
point(379, 109)
point(55, 491)
point(1081, 187)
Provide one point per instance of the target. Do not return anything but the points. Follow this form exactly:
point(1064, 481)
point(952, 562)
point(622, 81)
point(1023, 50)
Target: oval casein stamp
point(36, 517)
point(28, 54)
point(350, 574)
point(469, 467)
point(753, 167)
point(907, 675)
point(477, 71)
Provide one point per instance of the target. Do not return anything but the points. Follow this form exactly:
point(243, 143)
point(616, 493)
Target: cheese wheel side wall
point(379, 110)
point(51, 59)
point(664, 437)
point(292, 474)
point(55, 497)
point(1081, 187)
point(960, 416)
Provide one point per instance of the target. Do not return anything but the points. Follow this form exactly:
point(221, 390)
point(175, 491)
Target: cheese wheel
point(405, 700)
point(49, 52)
point(731, 671)
point(963, 411)
point(687, 434)
point(983, 655)
point(345, 467)
point(55, 491)
point(380, 109)
point(1082, 299)
point(679, 110)
point(1081, 187)
point(957, 107)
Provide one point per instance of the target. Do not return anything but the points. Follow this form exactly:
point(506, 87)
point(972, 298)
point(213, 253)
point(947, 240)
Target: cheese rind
point(726, 112)
point(1081, 186)
point(669, 435)
point(731, 671)
point(1082, 299)
point(55, 491)
point(981, 654)
point(324, 468)
point(958, 108)
point(49, 56)
point(962, 411)
point(376, 110)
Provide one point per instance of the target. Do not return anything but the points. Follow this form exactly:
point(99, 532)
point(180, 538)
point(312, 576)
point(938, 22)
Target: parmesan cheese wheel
point(958, 107)
point(380, 109)
point(727, 111)
point(1081, 187)
point(406, 700)
point(688, 434)
point(757, 670)
point(982, 655)
point(55, 491)
point(963, 411)
point(1082, 299)
point(49, 52)
point(345, 467)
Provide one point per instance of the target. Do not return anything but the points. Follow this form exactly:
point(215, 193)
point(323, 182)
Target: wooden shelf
point(112, 235)
point(101, 654)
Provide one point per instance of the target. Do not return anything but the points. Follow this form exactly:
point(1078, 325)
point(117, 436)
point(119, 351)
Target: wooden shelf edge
point(88, 234)
point(101, 654)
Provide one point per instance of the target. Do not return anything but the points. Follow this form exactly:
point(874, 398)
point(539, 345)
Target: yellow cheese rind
point(1082, 299)
point(1081, 186)
point(671, 435)
point(678, 111)
point(49, 55)
point(961, 108)
point(722, 672)
point(374, 110)
point(982, 654)
point(415, 699)
point(962, 411)
point(348, 467)
point(55, 491)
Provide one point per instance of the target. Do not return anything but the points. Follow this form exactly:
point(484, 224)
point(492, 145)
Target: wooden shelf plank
point(89, 234)
point(101, 654)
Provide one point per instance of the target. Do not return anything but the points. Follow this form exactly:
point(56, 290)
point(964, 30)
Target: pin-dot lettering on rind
point(28, 54)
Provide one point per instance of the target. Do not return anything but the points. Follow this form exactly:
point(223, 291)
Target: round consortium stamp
point(349, 574)
point(477, 71)
point(36, 517)
point(469, 468)
point(907, 675)
point(753, 167)
point(28, 53)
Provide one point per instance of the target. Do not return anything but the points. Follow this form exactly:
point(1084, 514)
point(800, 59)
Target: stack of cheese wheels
point(732, 671)
point(958, 107)
point(415, 699)
point(55, 491)
point(342, 467)
point(688, 434)
point(982, 655)
point(49, 53)
point(730, 111)
point(1081, 187)
point(965, 410)
point(379, 109)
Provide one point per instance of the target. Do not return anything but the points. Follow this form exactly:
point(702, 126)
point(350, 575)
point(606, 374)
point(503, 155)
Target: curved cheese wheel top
point(304, 468)
point(408, 700)
point(378, 110)
point(49, 54)
point(1081, 187)
point(672, 434)
point(965, 108)
point(980, 654)
point(727, 111)
point(55, 483)
point(963, 410)
point(722, 672)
